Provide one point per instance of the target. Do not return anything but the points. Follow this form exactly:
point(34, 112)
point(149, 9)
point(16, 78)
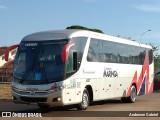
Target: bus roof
point(49, 35)
point(66, 34)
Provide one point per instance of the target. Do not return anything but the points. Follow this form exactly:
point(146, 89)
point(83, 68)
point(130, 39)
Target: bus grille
point(31, 99)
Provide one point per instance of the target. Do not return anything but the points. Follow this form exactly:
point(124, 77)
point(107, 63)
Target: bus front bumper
point(53, 99)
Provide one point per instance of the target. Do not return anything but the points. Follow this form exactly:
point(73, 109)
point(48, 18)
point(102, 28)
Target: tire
point(85, 101)
point(43, 106)
point(133, 94)
point(132, 97)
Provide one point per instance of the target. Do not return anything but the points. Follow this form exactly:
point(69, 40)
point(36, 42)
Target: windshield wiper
point(43, 71)
point(31, 68)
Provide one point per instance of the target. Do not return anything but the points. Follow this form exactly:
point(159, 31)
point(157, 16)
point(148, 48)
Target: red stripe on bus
point(151, 88)
point(145, 69)
point(133, 81)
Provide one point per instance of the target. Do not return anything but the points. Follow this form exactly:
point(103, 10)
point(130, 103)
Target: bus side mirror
point(75, 61)
point(8, 50)
point(65, 50)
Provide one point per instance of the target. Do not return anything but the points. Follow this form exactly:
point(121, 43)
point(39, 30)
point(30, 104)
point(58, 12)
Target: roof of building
point(2, 50)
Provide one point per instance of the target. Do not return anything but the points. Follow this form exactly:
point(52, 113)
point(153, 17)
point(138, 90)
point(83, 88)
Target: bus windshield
point(39, 63)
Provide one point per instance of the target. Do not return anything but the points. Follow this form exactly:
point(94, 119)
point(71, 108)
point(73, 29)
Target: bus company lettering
point(31, 44)
point(108, 72)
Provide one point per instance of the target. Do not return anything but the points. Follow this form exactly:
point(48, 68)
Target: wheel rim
point(133, 94)
point(85, 100)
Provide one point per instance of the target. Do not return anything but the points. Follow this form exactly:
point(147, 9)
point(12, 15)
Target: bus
point(78, 67)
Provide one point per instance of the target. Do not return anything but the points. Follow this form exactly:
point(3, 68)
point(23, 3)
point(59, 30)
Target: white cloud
point(2, 7)
point(148, 7)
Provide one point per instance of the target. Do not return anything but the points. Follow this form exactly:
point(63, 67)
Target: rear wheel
point(132, 97)
point(85, 101)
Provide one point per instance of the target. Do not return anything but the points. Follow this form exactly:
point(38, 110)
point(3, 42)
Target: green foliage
point(156, 63)
point(156, 59)
point(84, 28)
point(155, 48)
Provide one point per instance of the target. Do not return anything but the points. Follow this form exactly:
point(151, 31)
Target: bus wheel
point(43, 106)
point(85, 101)
point(133, 94)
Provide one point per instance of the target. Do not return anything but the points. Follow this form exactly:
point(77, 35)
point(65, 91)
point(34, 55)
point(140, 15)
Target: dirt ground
point(143, 104)
point(5, 91)
point(149, 102)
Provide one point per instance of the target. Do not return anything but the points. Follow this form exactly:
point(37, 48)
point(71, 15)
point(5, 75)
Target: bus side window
point(75, 61)
point(150, 56)
point(70, 61)
point(75, 55)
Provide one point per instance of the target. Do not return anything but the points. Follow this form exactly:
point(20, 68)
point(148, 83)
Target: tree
point(156, 58)
point(155, 49)
point(83, 28)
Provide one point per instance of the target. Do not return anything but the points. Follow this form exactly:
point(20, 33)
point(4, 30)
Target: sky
point(124, 18)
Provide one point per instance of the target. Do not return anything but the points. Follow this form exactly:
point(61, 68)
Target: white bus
point(77, 67)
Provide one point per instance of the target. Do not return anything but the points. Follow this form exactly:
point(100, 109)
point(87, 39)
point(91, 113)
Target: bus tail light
point(65, 50)
point(8, 50)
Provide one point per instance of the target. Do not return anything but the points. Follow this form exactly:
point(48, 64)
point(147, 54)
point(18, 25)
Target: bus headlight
point(55, 89)
point(15, 89)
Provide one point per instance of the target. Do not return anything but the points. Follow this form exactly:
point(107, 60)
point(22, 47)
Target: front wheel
point(85, 101)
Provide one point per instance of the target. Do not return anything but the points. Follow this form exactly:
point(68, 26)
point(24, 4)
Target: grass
point(5, 91)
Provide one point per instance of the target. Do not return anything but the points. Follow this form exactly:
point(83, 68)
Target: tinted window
point(123, 56)
point(112, 52)
point(150, 55)
point(70, 62)
point(79, 45)
point(136, 54)
point(95, 53)
point(39, 64)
